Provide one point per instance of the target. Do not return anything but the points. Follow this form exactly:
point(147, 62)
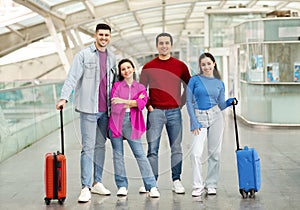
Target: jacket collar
point(124, 84)
point(94, 49)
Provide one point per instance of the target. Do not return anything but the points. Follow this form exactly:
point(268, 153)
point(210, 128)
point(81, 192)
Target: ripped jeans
point(212, 132)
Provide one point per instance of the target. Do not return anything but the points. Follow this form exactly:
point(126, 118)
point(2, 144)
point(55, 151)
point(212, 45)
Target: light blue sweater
point(204, 93)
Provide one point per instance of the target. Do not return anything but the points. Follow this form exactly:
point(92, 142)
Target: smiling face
point(126, 70)
point(102, 37)
point(164, 46)
point(207, 66)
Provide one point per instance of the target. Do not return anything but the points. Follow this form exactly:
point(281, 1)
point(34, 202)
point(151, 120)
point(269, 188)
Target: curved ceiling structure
point(134, 22)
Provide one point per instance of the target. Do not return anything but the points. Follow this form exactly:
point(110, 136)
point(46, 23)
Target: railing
point(28, 114)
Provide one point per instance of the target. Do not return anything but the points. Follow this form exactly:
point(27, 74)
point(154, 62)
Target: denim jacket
point(84, 79)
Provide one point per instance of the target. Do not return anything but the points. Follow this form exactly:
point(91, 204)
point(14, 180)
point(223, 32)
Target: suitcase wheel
point(243, 193)
point(61, 201)
point(47, 201)
point(252, 193)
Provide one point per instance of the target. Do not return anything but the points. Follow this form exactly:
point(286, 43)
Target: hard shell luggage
point(248, 164)
point(55, 172)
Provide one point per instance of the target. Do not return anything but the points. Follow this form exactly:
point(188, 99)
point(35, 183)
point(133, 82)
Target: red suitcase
point(55, 172)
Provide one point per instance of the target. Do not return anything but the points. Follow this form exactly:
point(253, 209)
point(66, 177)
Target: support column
point(60, 50)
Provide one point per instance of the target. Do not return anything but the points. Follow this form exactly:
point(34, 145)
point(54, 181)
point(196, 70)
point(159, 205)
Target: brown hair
point(208, 55)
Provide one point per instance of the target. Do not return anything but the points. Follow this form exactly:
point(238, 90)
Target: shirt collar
point(124, 84)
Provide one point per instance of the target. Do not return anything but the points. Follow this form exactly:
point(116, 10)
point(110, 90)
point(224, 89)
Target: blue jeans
point(139, 154)
point(93, 132)
point(155, 123)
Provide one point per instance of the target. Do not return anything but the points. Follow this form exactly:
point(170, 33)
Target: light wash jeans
point(139, 154)
point(155, 123)
point(212, 131)
point(93, 132)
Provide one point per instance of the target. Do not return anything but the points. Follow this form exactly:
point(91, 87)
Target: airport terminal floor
point(22, 175)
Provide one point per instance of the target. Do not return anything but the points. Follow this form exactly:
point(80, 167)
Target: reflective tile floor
point(22, 176)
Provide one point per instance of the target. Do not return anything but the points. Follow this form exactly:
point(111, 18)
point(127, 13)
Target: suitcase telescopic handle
point(235, 127)
point(62, 129)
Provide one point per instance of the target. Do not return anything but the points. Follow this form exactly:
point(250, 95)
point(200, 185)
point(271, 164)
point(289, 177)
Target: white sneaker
point(99, 188)
point(122, 191)
point(142, 190)
point(85, 195)
point(211, 191)
point(154, 193)
point(177, 187)
point(198, 192)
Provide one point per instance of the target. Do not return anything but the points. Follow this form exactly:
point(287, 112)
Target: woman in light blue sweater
point(205, 101)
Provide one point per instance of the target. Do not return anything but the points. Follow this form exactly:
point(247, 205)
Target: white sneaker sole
point(143, 190)
point(179, 192)
point(83, 201)
point(96, 192)
point(154, 196)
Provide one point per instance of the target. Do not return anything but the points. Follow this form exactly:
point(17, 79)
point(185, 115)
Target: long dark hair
point(120, 77)
point(208, 55)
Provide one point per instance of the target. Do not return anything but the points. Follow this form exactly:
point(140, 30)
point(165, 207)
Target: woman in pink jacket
point(128, 99)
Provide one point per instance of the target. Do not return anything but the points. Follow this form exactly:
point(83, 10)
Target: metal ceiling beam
point(89, 7)
point(186, 19)
point(24, 37)
point(163, 15)
point(60, 50)
point(139, 22)
point(129, 10)
point(252, 3)
point(42, 9)
point(222, 4)
point(81, 19)
point(12, 41)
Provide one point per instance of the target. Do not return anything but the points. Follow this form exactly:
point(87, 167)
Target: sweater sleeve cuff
point(195, 125)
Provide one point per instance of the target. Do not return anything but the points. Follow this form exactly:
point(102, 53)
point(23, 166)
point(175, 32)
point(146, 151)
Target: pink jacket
point(122, 90)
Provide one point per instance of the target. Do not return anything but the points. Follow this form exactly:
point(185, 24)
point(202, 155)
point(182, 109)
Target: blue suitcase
point(248, 164)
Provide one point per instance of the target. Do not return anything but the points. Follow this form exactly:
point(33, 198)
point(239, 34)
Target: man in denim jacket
point(91, 76)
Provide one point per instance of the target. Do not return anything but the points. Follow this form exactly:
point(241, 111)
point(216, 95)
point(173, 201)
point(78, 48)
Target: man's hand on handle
point(61, 104)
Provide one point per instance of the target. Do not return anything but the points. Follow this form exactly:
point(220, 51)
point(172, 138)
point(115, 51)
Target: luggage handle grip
point(236, 128)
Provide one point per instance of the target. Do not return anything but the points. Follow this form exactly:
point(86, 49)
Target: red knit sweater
point(164, 79)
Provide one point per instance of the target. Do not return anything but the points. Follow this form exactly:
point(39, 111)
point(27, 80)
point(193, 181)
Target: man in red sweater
point(164, 76)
